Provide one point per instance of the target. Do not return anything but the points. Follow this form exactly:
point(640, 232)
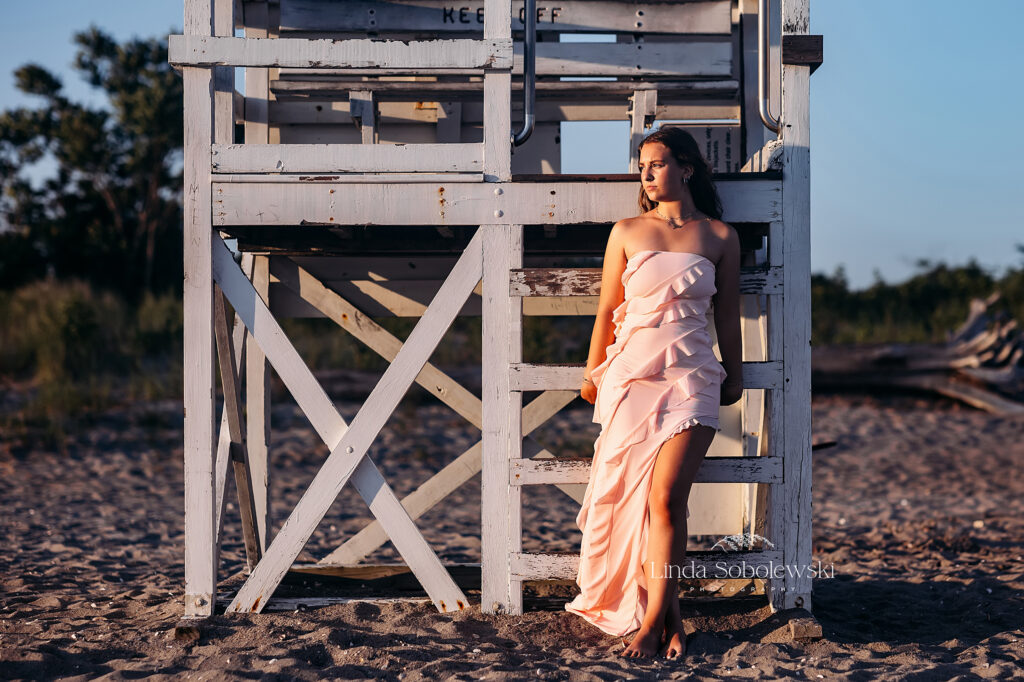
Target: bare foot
point(644, 643)
point(675, 633)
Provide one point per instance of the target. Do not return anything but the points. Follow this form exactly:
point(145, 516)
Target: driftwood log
point(981, 363)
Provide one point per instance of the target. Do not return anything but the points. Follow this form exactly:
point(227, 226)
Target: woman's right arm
point(612, 294)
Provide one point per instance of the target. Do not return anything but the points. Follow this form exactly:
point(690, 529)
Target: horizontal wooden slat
point(587, 281)
point(346, 158)
point(433, 16)
point(757, 200)
point(386, 55)
point(321, 112)
point(530, 377)
point(705, 564)
point(362, 178)
point(701, 59)
point(563, 470)
point(473, 90)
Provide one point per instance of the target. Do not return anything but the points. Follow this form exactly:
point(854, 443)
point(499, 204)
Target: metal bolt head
point(499, 213)
point(200, 602)
point(498, 191)
point(349, 449)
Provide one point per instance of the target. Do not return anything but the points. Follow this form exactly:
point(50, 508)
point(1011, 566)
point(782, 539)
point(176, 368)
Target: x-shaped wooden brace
point(349, 443)
point(447, 390)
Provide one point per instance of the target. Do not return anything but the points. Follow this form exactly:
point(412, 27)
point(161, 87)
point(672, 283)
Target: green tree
point(111, 214)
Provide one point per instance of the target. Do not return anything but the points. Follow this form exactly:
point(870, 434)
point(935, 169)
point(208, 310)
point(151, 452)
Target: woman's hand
point(732, 390)
point(588, 391)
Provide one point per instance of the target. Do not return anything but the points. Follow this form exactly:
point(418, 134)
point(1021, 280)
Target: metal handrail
point(529, 72)
point(763, 91)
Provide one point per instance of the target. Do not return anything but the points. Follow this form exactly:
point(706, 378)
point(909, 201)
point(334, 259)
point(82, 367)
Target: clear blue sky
point(915, 147)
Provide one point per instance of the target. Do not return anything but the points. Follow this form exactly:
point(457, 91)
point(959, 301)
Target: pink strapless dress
point(660, 377)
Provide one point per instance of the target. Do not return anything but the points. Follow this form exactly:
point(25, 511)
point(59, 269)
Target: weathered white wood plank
point(349, 445)
point(703, 59)
point(257, 407)
point(223, 458)
point(497, 101)
point(341, 178)
point(364, 114)
point(347, 158)
point(501, 511)
point(384, 55)
point(257, 81)
point(200, 532)
point(299, 112)
point(229, 379)
point(546, 90)
point(587, 281)
point(450, 478)
point(223, 77)
point(705, 564)
point(466, 203)
point(768, 521)
point(795, 514)
point(534, 377)
point(588, 16)
point(641, 117)
point(712, 470)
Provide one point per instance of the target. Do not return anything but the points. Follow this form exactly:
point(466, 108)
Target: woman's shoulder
point(722, 229)
point(632, 222)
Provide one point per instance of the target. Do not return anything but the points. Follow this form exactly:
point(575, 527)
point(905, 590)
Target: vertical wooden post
point(363, 108)
point(501, 513)
point(771, 498)
point(257, 422)
point(229, 380)
point(796, 205)
point(497, 98)
point(645, 108)
point(753, 399)
point(199, 451)
point(257, 82)
point(257, 376)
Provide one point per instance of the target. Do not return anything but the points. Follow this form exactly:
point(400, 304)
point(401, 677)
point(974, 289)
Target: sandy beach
point(919, 508)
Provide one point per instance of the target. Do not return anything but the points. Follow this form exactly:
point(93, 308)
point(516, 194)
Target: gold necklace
point(672, 220)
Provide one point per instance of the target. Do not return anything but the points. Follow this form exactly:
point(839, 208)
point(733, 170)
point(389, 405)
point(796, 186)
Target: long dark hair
point(686, 152)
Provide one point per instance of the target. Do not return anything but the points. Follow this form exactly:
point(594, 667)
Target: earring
point(686, 180)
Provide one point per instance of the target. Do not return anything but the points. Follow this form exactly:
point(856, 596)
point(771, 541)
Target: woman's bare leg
point(676, 467)
point(675, 632)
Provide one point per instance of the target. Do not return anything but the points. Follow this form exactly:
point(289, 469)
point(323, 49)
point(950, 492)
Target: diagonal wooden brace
point(349, 445)
point(450, 392)
point(447, 480)
point(239, 456)
point(223, 459)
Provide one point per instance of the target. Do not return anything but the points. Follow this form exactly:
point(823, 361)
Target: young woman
point(656, 392)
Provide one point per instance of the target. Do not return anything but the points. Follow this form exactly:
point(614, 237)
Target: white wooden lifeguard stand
point(396, 118)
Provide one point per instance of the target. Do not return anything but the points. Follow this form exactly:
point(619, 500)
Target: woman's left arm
point(727, 316)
